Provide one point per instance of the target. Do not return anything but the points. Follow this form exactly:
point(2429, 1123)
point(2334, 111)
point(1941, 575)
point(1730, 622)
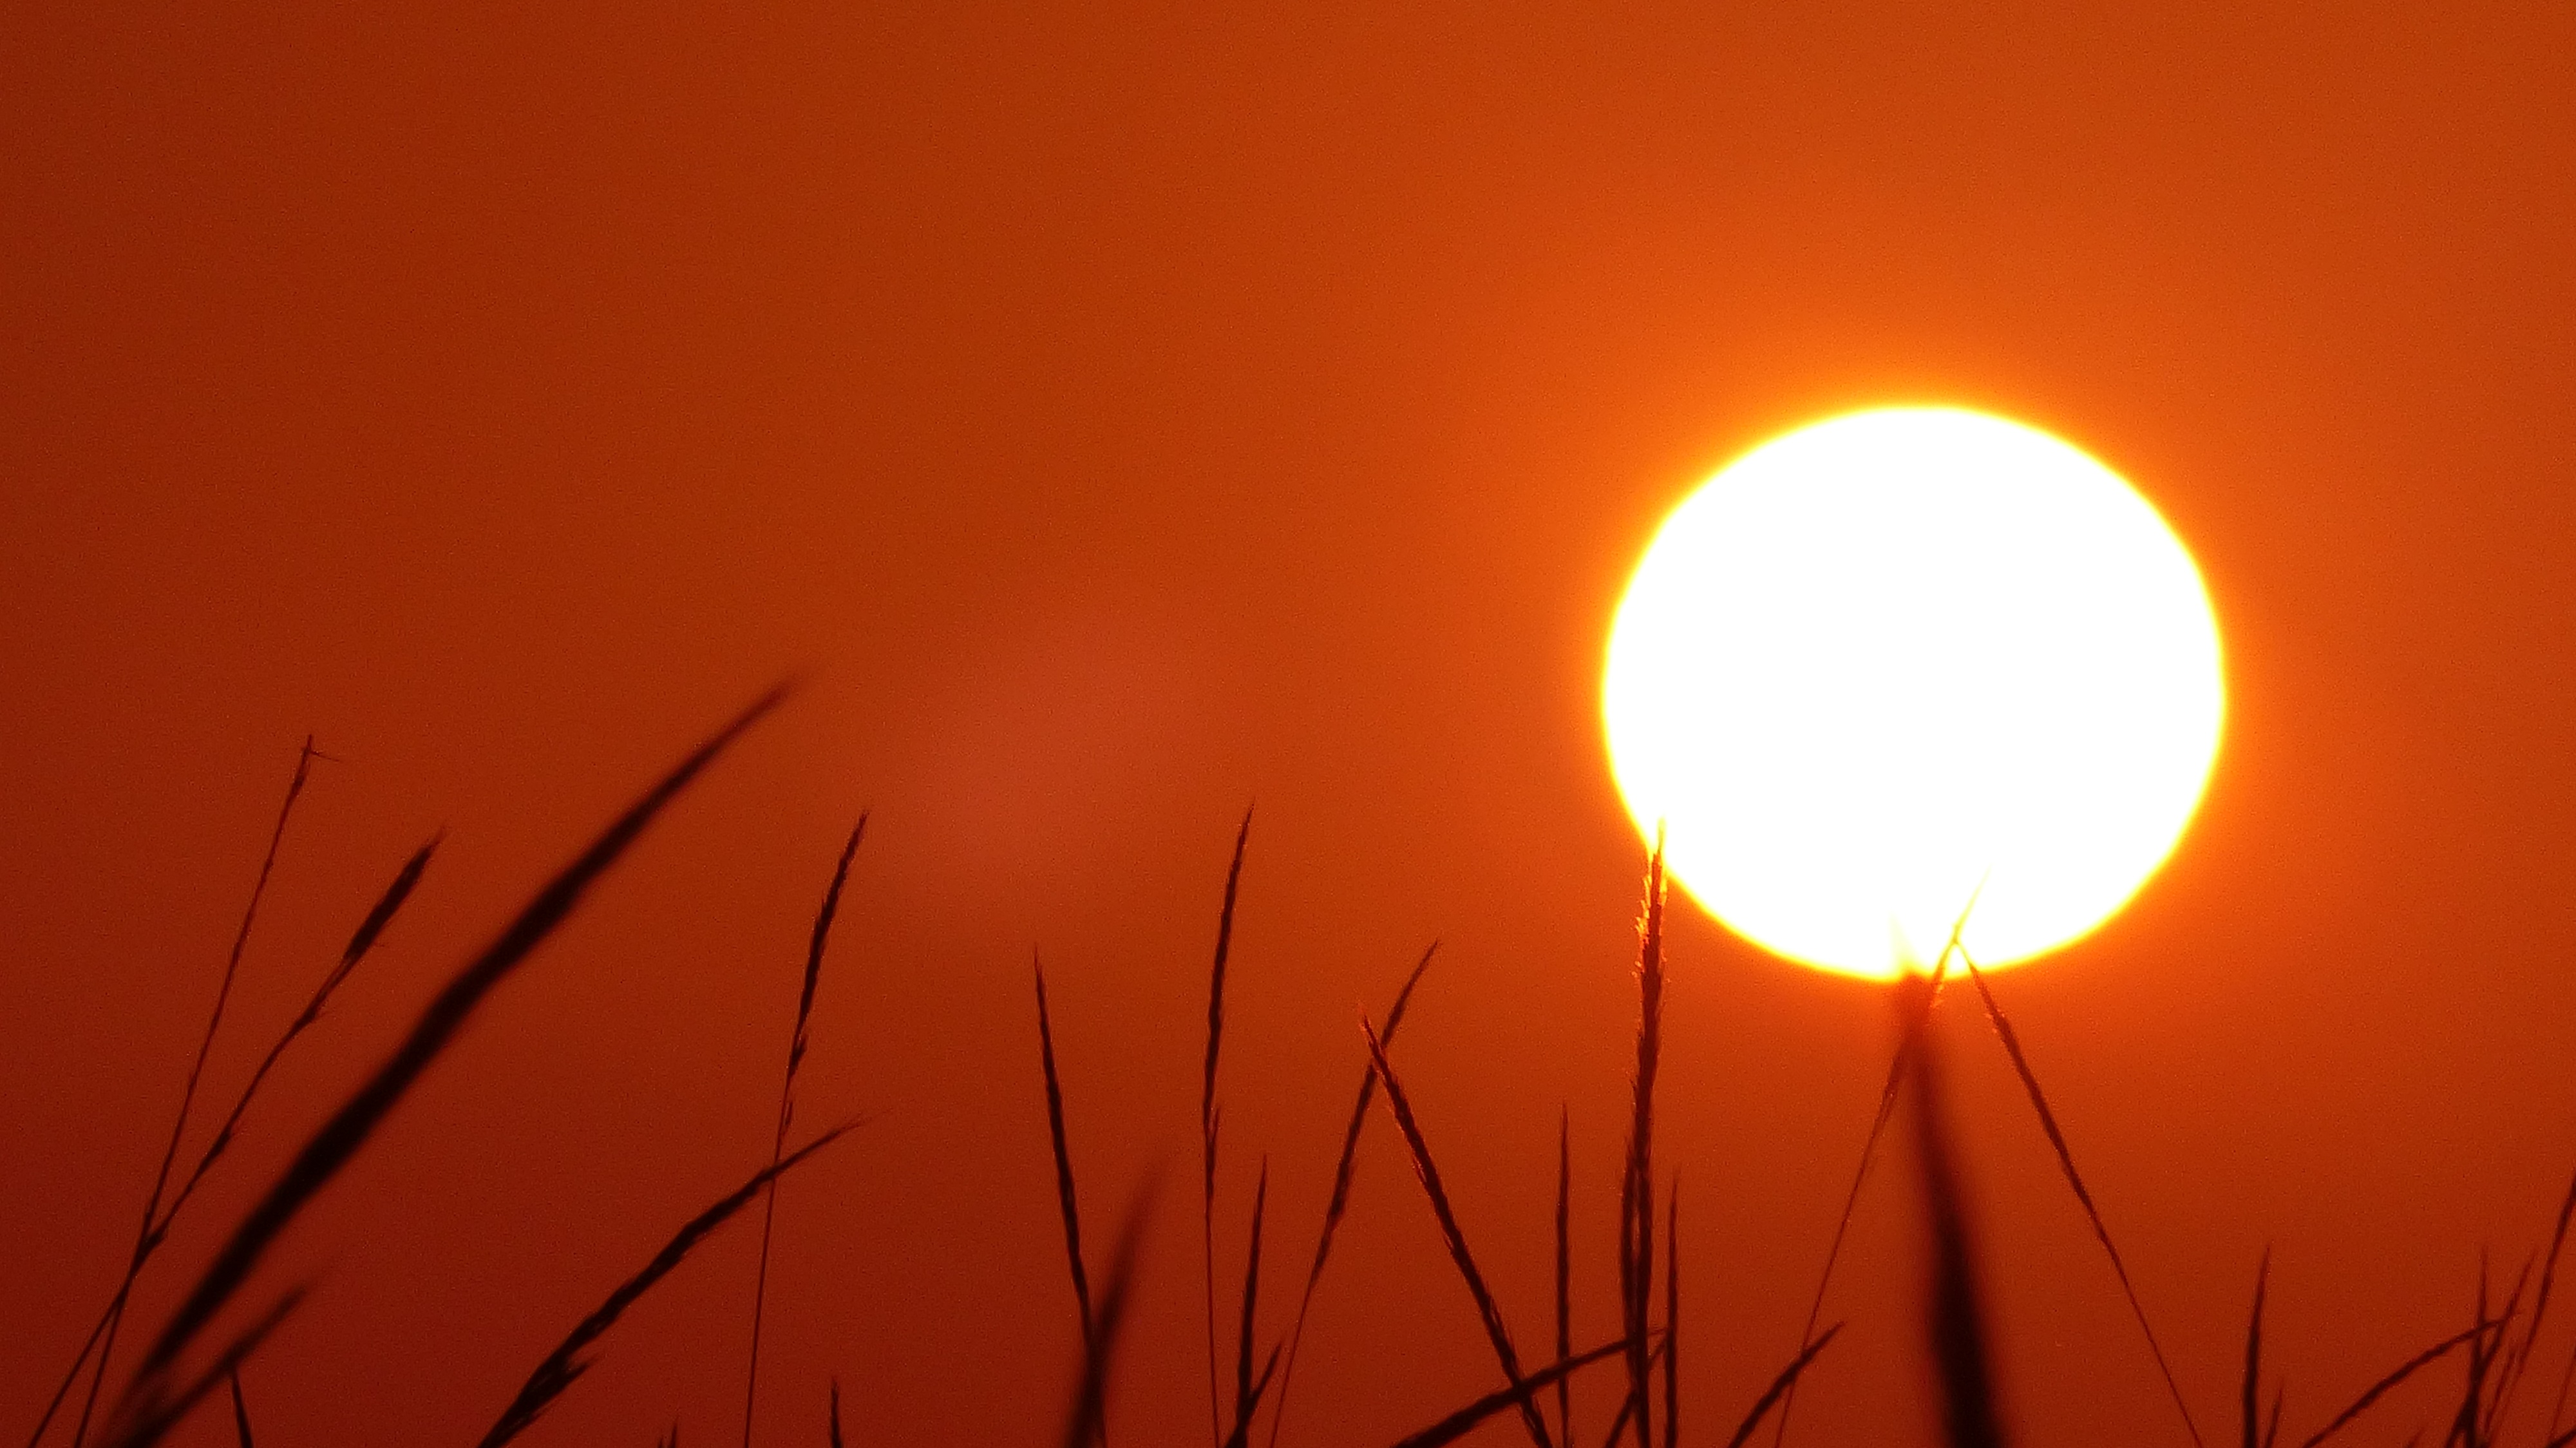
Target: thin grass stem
point(1428, 1172)
point(1343, 1172)
point(1208, 1114)
point(2066, 1163)
point(565, 1365)
point(820, 938)
point(1473, 1416)
point(145, 1238)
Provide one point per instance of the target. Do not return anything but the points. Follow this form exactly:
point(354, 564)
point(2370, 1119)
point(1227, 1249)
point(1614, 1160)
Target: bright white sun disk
point(1892, 655)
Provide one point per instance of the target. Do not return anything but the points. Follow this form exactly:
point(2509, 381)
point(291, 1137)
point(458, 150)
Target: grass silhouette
point(180, 1369)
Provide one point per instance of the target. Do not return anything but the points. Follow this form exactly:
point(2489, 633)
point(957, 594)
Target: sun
point(1903, 658)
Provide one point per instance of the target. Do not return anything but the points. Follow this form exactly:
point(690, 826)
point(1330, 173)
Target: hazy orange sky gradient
point(1120, 415)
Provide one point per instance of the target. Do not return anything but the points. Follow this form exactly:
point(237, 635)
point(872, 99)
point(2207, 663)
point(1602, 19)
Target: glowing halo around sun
point(1889, 657)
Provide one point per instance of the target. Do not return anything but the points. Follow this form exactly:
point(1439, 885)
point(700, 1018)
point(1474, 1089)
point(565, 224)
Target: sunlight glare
point(1892, 654)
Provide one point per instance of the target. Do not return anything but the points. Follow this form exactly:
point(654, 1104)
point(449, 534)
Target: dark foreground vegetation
point(186, 1361)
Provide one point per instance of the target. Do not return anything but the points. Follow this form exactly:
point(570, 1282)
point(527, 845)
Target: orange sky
point(1119, 418)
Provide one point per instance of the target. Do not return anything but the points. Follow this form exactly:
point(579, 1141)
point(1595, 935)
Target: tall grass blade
point(2384, 1386)
point(2252, 1397)
point(1064, 1195)
point(1340, 1201)
point(1955, 1324)
point(1565, 1269)
point(1469, 1418)
point(1637, 1265)
point(1780, 1387)
point(144, 1236)
point(142, 1420)
point(2066, 1163)
point(1084, 1424)
point(339, 1138)
point(565, 1365)
point(787, 1106)
point(1429, 1173)
point(1251, 1296)
point(1208, 1110)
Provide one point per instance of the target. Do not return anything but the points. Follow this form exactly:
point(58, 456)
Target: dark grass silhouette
point(1066, 1203)
point(2066, 1162)
point(147, 1421)
point(339, 1138)
point(1428, 1172)
point(1100, 1346)
point(2250, 1399)
point(1780, 1386)
point(1208, 1110)
point(361, 944)
point(241, 1412)
point(1954, 1321)
point(565, 1365)
point(1565, 1272)
point(1340, 1201)
point(2497, 1348)
point(1243, 1391)
point(1637, 1189)
point(1899, 1067)
point(821, 938)
point(1473, 1416)
point(145, 1236)
point(1673, 1316)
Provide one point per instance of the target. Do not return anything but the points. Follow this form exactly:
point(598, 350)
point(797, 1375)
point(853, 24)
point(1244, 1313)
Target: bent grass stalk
point(1781, 1386)
point(1340, 1200)
point(564, 1366)
point(1429, 1174)
point(1469, 1418)
point(2388, 1384)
